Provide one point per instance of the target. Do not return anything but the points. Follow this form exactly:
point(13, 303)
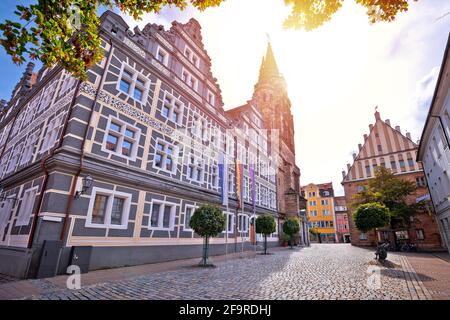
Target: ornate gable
point(384, 145)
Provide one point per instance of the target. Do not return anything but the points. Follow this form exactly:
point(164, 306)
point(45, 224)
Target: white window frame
point(188, 78)
point(26, 207)
point(67, 83)
point(28, 149)
point(110, 194)
point(189, 53)
point(232, 216)
point(174, 155)
point(175, 106)
point(211, 98)
point(186, 227)
point(121, 137)
point(51, 134)
point(5, 210)
point(161, 215)
point(13, 161)
point(199, 163)
point(247, 221)
point(165, 61)
point(133, 83)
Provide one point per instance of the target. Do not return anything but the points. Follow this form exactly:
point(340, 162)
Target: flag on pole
point(239, 183)
point(252, 183)
point(223, 176)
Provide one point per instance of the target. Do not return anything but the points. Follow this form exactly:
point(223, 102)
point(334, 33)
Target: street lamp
point(87, 183)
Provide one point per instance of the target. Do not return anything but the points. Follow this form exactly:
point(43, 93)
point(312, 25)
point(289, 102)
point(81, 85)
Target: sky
point(336, 75)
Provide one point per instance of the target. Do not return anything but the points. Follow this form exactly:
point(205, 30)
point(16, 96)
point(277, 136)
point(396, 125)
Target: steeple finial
point(269, 66)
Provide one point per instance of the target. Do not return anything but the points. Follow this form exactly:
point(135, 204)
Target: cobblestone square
point(321, 271)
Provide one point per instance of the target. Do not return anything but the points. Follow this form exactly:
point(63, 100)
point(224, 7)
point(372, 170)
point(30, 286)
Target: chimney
point(388, 122)
point(359, 146)
point(365, 137)
point(343, 174)
point(408, 135)
point(348, 166)
point(370, 127)
point(398, 129)
point(354, 156)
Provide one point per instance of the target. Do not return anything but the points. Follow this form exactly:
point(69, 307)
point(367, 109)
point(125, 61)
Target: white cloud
point(336, 75)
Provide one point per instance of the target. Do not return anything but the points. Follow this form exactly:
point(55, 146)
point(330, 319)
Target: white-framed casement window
point(165, 156)
point(133, 84)
point(247, 188)
point(172, 109)
point(188, 53)
point(4, 133)
point(67, 83)
point(230, 221)
point(14, 159)
point(242, 222)
point(47, 96)
point(162, 56)
point(28, 149)
point(273, 200)
point(108, 209)
point(29, 113)
point(5, 211)
point(52, 133)
point(211, 98)
point(162, 216)
point(195, 169)
point(230, 184)
point(26, 207)
point(17, 124)
point(121, 138)
point(362, 236)
point(188, 213)
point(214, 176)
point(189, 79)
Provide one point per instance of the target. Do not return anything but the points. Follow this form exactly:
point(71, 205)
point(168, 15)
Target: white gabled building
point(434, 149)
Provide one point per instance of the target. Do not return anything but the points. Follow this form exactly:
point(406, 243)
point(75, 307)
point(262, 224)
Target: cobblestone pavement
point(322, 271)
point(434, 273)
point(6, 279)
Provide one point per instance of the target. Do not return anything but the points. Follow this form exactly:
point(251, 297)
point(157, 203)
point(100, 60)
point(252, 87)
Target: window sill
point(104, 226)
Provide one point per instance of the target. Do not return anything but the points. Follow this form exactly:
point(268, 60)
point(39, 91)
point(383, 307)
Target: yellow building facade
point(320, 209)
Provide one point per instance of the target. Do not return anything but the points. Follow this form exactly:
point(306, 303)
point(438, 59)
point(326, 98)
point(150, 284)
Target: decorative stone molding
point(134, 47)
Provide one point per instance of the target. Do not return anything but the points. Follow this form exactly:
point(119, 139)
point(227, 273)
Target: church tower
point(271, 98)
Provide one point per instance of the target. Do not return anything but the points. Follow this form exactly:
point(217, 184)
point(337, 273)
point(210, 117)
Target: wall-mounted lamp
point(87, 183)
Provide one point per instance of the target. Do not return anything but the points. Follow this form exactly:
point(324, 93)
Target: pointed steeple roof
point(269, 66)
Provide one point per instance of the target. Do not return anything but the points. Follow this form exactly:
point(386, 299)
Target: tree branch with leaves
point(66, 31)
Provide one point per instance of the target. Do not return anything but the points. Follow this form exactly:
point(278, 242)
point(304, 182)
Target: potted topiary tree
point(207, 221)
point(291, 227)
point(266, 225)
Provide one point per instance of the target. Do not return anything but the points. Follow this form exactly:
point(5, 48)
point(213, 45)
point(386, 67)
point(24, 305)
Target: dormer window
point(162, 56)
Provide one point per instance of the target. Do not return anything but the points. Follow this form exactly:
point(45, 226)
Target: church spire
point(269, 66)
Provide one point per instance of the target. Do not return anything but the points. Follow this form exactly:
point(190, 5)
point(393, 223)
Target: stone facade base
point(15, 262)
point(22, 263)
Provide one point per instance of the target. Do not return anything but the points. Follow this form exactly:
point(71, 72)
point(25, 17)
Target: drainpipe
point(80, 168)
point(44, 167)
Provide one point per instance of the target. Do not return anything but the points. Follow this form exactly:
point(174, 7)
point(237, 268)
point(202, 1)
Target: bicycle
point(408, 247)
